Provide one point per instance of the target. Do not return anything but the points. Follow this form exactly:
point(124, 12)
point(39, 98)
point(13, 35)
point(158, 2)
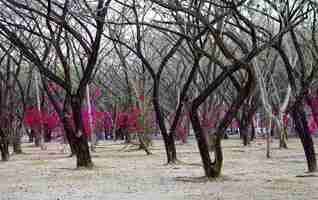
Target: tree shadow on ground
point(204, 179)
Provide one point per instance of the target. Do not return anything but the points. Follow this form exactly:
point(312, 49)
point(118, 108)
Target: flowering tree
point(312, 125)
point(97, 120)
point(35, 119)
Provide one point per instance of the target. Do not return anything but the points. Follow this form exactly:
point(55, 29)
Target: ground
point(121, 174)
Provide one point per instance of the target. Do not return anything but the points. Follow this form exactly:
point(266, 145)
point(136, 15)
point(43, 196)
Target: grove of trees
point(173, 67)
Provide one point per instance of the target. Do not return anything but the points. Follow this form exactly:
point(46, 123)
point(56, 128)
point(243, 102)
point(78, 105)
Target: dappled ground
point(121, 174)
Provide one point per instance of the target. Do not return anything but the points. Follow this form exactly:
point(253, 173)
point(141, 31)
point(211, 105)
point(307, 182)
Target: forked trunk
point(211, 170)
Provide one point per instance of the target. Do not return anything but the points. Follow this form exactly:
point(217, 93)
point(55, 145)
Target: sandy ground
point(121, 175)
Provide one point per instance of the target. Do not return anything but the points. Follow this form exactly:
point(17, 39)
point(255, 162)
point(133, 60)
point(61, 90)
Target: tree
point(305, 78)
point(11, 68)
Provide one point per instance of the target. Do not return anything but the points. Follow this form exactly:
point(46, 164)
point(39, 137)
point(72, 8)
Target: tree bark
point(244, 122)
point(283, 139)
point(214, 169)
point(37, 140)
point(249, 109)
point(168, 139)
point(31, 136)
point(72, 147)
point(144, 143)
point(90, 120)
point(268, 140)
point(83, 157)
point(17, 149)
point(244, 131)
point(299, 117)
point(210, 169)
point(78, 138)
point(127, 137)
point(5, 151)
point(113, 131)
point(4, 146)
point(253, 131)
point(283, 130)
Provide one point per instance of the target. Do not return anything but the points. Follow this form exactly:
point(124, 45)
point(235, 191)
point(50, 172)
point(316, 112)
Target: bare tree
point(60, 27)
point(301, 77)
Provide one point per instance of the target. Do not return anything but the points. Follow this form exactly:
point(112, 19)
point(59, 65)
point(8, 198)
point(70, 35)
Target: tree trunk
point(282, 132)
point(90, 121)
point(268, 140)
point(4, 147)
point(83, 157)
point(72, 147)
point(127, 137)
point(37, 140)
point(5, 152)
point(214, 169)
point(245, 135)
point(31, 135)
point(170, 148)
point(78, 138)
point(253, 131)
point(69, 131)
point(113, 131)
point(168, 139)
point(211, 169)
point(302, 129)
point(16, 139)
point(144, 143)
point(47, 134)
point(283, 138)
point(17, 149)
point(244, 126)
point(248, 111)
point(268, 144)
point(31, 138)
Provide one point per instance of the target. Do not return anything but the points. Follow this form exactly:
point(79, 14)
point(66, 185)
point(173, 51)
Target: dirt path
point(121, 175)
